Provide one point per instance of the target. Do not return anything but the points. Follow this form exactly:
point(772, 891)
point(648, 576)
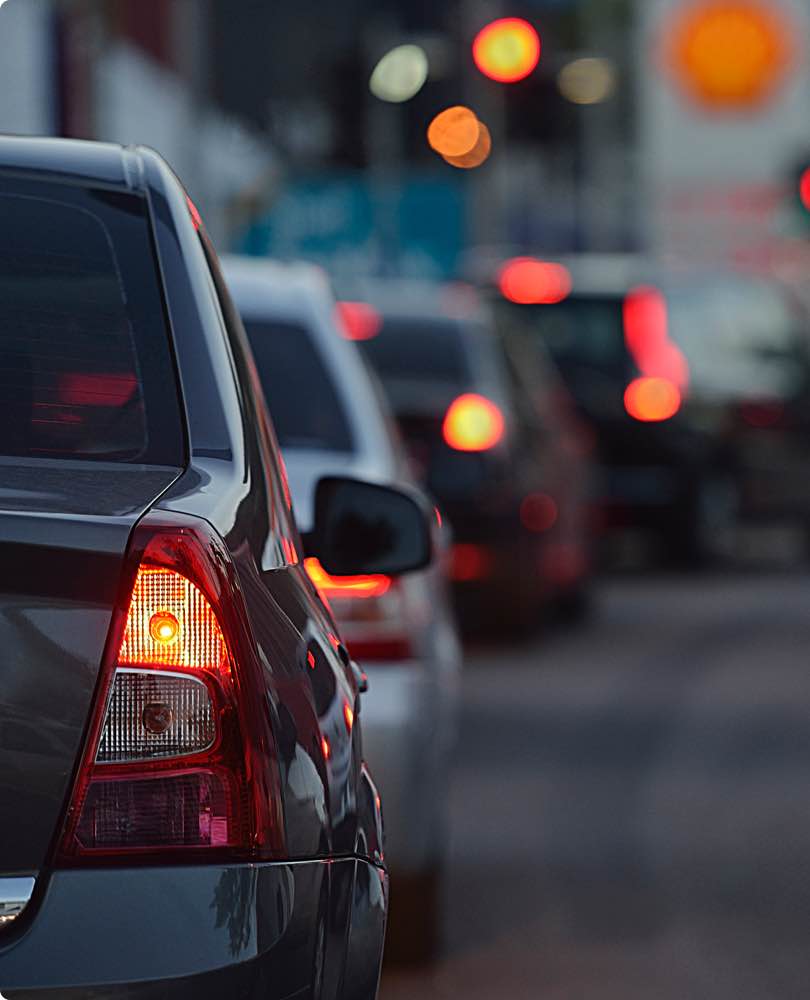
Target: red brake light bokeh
point(473, 423)
point(646, 334)
point(469, 562)
point(358, 320)
point(528, 281)
point(804, 189)
point(538, 512)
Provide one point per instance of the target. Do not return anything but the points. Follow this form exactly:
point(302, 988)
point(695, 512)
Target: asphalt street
point(630, 808)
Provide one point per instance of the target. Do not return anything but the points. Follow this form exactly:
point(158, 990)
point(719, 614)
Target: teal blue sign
point(415, 227)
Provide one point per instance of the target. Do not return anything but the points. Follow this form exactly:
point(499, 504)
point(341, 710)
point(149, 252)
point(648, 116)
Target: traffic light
point(507, 50)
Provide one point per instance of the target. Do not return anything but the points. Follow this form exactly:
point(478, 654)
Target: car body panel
point(63, 536)
point(253, 929)
point(269, 930)
point(423, 725)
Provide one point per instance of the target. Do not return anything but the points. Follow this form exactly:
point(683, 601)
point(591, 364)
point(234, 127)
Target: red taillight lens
point(179, 755)
point(473, 423)
point(345, 586)
point(377, 614)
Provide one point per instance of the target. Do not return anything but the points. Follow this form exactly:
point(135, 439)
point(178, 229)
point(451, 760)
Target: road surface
point(631, 804)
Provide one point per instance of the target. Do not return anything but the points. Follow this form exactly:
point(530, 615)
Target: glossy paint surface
point(277, 930)
point(63, 534)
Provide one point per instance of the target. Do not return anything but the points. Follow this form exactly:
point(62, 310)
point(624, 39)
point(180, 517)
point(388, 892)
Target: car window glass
point(300, 392)
point(85, 365)
point(420, 349)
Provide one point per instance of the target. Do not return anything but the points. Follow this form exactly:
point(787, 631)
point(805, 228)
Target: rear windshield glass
point(578, 332)
point(301, 396)
point(420, 350)
point(85, 365)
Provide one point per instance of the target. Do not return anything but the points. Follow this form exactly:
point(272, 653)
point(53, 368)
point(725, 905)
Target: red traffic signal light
point(507, 50)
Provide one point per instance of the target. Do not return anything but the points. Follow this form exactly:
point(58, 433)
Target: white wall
point(140, 102)
point(26, 84)
point(715, 178)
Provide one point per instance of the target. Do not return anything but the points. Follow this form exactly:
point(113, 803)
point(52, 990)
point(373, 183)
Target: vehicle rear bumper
point(245, 930)
point(407, 737)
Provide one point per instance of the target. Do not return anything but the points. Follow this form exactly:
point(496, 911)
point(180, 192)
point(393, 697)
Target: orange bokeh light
point(730, 54)
point(454, 131)
point(507, 50)
point(473, 423)
point(652, 400)
point(527, 281)
point(477, 155)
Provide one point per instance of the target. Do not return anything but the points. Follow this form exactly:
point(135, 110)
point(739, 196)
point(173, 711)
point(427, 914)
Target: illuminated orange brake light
point(652, 400)
point(346, 586)
point(171, 624)
point(473, 423)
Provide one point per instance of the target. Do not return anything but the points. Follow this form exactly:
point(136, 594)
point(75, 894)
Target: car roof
point(283, 290)
point(97, 163)
point(301, 293)
point(452, 302)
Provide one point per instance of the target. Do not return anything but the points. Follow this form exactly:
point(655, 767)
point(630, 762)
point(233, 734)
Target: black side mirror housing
point(364, 528)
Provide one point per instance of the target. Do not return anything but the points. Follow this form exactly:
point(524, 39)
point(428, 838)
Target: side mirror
point(363, 528)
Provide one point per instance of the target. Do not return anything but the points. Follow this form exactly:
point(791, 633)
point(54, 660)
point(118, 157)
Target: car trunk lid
point(64, 528)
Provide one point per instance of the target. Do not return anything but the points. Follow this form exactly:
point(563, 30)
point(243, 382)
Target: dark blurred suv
point(491, 434)
point(696, 388)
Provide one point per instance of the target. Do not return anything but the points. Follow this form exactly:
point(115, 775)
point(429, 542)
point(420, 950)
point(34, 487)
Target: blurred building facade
point(130, 72)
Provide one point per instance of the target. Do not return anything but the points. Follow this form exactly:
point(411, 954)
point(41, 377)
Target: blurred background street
point(564, 246)
point(629, 816)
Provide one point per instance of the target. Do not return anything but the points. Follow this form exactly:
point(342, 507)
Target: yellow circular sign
point(731, 54)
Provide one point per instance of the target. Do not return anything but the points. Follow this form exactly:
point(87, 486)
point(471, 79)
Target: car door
point(317, 695)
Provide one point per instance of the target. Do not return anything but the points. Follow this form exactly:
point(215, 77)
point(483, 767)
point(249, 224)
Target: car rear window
point(300, 393)
point(86, 370)
point(577, 332)
point(419, 349)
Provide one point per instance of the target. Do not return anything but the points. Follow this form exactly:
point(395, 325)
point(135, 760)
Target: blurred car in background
point(491, 434)
point(331, 420)
point(697, 391)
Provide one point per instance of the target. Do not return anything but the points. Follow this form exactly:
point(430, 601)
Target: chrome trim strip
point(15, 894)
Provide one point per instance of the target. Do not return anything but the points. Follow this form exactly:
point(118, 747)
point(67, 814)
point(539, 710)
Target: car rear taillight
point(358, 320)
point(346, 586)
point(473, 423)
point(179, 757)
point(652, 400)
point(377, 614)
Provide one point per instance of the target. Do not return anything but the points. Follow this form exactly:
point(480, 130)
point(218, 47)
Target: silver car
point(331, 418)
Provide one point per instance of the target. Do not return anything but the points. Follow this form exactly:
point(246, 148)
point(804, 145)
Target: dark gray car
point(185, 810)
